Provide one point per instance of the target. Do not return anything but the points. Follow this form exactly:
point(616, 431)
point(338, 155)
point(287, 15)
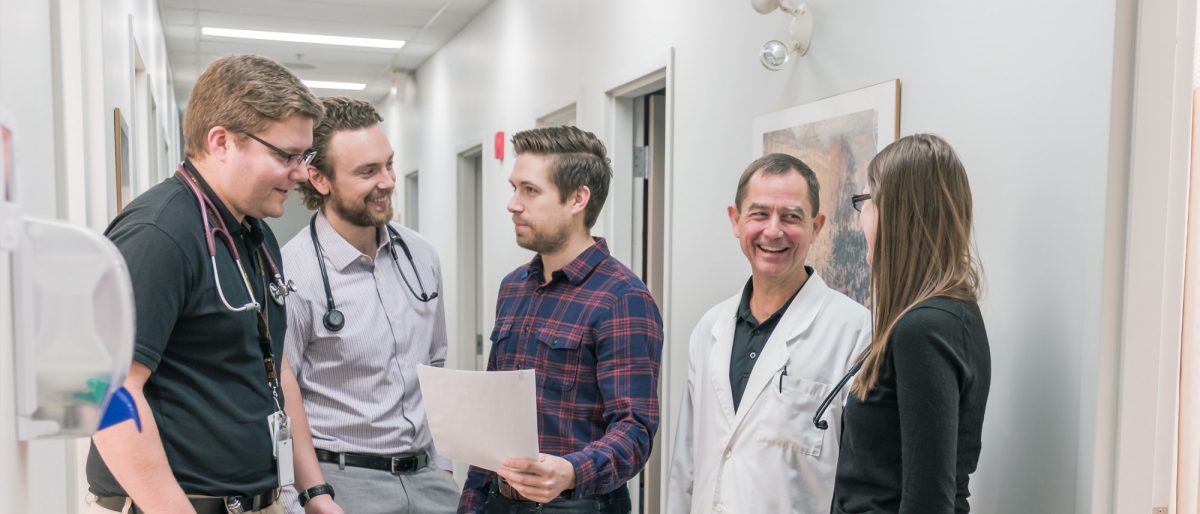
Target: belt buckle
point(233, 505)
point(396, 470)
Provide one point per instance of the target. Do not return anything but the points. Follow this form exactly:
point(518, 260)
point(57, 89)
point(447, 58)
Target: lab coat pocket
point(796, 401)
point(558, 358)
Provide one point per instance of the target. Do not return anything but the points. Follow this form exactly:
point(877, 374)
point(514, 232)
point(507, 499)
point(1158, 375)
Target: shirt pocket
point(558, 358)
point(503, 355)
point(795, 401)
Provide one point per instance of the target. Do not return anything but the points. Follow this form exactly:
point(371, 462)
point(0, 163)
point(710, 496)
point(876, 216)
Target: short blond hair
point(244, 94)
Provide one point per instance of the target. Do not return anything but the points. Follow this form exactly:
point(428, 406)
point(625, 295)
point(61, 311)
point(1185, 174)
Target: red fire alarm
point(498, 145)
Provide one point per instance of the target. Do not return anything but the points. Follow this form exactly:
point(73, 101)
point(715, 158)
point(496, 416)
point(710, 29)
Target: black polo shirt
point(208, 390)
point(749, 338)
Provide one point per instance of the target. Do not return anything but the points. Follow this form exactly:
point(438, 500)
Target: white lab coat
point(767, 457)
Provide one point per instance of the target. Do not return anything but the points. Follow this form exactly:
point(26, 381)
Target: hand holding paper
point(540, 480)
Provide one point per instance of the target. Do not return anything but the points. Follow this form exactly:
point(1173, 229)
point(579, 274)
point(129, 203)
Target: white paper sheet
point(481, 417)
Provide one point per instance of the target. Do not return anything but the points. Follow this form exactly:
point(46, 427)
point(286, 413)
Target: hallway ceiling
point(426, 25)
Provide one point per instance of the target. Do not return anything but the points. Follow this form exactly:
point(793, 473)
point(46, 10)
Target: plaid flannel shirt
point(594, 336)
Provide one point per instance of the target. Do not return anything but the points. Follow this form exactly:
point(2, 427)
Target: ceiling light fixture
point(344, 86)
point(775, 54)
point(392, 44)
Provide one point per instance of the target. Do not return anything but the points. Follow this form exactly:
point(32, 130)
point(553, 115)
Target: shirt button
point(528, 328)
point(753, 355)
point(728, 454)
point(720, 508)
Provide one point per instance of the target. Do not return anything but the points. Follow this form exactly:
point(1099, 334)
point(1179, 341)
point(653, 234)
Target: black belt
point(394, 464)
point(222, 505)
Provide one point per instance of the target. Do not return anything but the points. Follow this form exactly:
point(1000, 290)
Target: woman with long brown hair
point(912, 423)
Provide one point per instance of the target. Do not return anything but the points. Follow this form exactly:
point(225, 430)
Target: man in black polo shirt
point(206, 373)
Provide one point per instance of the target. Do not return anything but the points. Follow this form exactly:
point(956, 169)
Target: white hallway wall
point(25, 71)
point(64, 66)
point(1024, 91)
point(513, 63)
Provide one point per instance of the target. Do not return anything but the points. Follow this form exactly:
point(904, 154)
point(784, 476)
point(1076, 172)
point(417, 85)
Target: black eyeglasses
point(857, 200)
point(290, 159)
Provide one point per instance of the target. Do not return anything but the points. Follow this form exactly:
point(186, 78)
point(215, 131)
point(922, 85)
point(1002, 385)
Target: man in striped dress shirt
point(588, 327)
point(366, 312)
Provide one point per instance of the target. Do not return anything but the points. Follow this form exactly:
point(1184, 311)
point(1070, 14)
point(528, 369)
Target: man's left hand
point(539, 480)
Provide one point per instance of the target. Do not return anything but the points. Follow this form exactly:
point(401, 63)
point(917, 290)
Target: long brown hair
point(923, 246)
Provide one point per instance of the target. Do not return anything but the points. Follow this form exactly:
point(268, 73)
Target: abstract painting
point(837, 137)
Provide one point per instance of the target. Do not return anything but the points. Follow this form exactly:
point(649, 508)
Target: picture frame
point(837, 137)
point(8, 162)
point(123, 160)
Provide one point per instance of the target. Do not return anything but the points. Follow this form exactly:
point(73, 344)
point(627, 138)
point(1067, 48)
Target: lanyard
point(264, 336)
point(262, 310)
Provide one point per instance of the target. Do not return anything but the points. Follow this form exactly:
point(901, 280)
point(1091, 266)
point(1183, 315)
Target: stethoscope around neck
point(278, 288)
point(334, 320)
point(820, 423)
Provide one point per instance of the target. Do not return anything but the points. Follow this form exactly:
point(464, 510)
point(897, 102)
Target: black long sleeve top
point(912, 444)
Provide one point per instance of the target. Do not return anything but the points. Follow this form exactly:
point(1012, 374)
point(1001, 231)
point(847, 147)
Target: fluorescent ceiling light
point(324, 84)
point(303, 38)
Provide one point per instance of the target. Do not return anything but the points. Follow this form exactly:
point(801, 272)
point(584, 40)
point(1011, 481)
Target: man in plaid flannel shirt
point(589, 328)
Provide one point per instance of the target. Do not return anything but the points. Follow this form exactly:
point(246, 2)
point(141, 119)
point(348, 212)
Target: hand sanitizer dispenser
point(73, 317)
point(75, 325)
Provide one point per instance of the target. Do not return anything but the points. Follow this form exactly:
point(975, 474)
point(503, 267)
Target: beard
point(545, 241)
point(359, 212)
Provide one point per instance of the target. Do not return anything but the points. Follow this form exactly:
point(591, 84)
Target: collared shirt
point(749, 337)
point(593, 335)
point(208, 389)
point(359, 384)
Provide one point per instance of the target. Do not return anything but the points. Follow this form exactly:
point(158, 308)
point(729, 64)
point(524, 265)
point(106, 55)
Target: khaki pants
point(92, 508)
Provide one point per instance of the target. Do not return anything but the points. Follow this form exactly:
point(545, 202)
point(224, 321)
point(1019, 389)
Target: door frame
point(470, 277)
point(650, 75)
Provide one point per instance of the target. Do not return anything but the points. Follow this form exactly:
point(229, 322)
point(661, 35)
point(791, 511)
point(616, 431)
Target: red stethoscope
point(278, 288)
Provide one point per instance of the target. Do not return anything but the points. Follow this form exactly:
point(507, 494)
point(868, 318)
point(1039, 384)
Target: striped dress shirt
point(359, 384)
point(594, 336)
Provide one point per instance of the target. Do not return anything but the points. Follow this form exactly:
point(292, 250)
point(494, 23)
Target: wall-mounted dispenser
point(74, 319)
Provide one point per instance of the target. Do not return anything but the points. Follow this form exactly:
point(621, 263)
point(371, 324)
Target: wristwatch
point(312, 492)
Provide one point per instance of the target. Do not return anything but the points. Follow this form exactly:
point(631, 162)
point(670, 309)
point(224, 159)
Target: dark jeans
point(616, 502)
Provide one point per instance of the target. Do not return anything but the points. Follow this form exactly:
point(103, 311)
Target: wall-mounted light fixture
point(775, 53)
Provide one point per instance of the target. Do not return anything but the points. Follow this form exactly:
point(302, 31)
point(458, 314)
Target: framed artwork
point(124, 187)
point(837, 137)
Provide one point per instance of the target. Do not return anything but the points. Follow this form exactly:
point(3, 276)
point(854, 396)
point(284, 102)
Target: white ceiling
point(425, 24)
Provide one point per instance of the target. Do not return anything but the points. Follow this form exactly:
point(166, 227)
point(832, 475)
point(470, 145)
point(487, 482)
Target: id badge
point(287, 472)
point(281, 443)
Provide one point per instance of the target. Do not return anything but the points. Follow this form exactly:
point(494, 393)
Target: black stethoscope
point(278, 288)
point(820, 423)
point(333, 319)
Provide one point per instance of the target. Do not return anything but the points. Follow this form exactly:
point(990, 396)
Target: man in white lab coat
point(763, 360)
